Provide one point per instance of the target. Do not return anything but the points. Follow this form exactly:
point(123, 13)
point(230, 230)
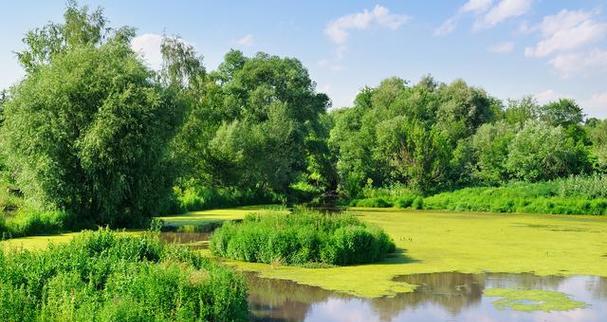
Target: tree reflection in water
point(283, 300)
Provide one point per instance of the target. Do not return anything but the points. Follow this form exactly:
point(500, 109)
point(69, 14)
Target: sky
point(511, 48)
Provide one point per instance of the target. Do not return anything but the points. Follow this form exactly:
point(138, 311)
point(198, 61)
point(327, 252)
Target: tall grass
point(302, 237)
point(573, 195)
point(201, 198)
point(101, 276)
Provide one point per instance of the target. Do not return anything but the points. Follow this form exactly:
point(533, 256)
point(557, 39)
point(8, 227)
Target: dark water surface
point(444, 297)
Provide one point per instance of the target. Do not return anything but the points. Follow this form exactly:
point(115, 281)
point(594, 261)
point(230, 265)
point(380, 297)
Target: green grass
point(302, 237)
point(532, 300)
point(575, 195)
point(103, 276)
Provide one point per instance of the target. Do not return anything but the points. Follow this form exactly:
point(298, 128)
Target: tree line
point(92, 131)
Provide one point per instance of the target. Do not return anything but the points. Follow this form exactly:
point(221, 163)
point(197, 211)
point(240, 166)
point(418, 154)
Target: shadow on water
point(449, 296)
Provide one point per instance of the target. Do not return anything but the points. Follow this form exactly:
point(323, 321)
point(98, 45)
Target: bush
point(102, 276)
point(301, 238)
point(574, 195)
point(372, 203)
point(418, 203)
point(194, 198)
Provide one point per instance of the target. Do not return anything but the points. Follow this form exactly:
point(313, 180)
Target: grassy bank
point(103, 276)
point(575, 195)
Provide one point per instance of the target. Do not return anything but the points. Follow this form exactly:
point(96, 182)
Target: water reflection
point(451, 296)
point(439, 297)
point(196, 240)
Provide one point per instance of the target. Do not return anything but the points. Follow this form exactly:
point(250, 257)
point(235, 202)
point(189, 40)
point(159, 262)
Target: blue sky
point(511, 48)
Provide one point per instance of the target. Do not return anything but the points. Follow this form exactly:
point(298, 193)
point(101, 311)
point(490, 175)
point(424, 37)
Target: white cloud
point(596, 105)
point(548, 96)
point(246, 41)
point(567, 30)
point(488, 15)
point(502, 11)
point(476, 6)
point(338, 30)
point(502, 47)
point(447, 27)
point(582, 62)
point(148, 46)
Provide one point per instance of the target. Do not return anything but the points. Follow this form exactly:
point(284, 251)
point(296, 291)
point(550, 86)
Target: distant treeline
point(94, 136)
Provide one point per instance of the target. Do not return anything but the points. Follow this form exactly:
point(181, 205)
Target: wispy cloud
point(596, 105)
point(246, 41)
point(502, 11)
point(339, 29)
point(549, 95)
point(502, 47)
point(476, 6)
point(148, 46)
point(567, 30)
point(487, 14)
point(592, 61)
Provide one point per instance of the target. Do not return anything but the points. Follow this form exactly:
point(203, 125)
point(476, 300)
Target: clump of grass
point(101, 276)
point(533, 300)
point(302, 237)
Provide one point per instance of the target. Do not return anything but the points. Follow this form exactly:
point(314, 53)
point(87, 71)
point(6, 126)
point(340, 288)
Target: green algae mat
point(465, 242)
point(430, 242)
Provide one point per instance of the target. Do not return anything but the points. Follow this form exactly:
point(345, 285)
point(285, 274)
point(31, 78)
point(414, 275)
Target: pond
point(448, 296)
point(440, 297)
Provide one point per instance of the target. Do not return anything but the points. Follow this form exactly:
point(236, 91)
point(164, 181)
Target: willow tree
point(87, 130)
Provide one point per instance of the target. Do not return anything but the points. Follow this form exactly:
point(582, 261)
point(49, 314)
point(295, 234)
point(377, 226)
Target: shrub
point(194, 198)
point(418, 203)
point(102, 276)
point(574, 195)
point(301, 238)
point(373, 203)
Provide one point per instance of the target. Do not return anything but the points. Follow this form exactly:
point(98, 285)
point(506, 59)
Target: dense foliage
point(91, 135)
point(87, 131)
point(102, 276)
point(433, 137)
point(302, 238)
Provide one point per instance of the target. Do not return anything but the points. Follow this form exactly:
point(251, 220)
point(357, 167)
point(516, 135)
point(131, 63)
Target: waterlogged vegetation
point(434, 241)
point(532, 300)
point(302, 237)
point(103, 276)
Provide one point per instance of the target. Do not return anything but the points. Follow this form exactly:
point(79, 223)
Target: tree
point(87, 130)
point(411, 135)
point(254, 123)
point(598, 137)
point(564, 112)
point(491, 144)
point(521, 111)
point(540, 151)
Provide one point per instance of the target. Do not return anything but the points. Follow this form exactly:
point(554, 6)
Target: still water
point(439, 297)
